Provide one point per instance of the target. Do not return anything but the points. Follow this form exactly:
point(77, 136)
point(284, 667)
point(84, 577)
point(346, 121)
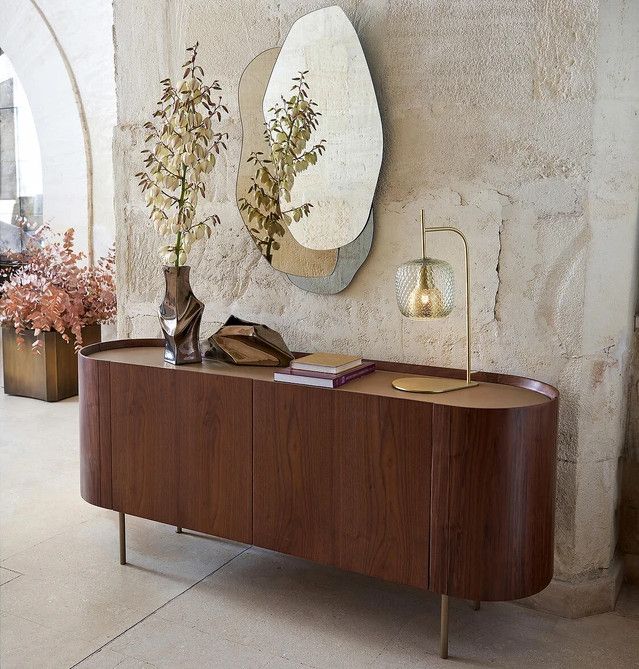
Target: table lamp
point(425, 289)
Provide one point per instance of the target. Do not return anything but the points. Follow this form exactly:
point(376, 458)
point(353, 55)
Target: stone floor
point(193, 601)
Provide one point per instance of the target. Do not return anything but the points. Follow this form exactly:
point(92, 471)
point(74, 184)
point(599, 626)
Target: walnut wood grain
point(493, 514)
point(294, 482)
point(215, 455)
point(106, 478)
point(439, 503)
point(144, 431)
point(452, 493)
point(383, 454)
point(91, 477)
point(342, 480)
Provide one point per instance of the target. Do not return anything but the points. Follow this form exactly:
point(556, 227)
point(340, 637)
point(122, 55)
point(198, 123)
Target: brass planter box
point(53, 374)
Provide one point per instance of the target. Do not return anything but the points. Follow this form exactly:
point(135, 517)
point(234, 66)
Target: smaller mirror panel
point(349, 259)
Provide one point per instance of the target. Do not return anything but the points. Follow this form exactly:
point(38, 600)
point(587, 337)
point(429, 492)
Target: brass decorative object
point(425, 288)
point(180, 317)
point(244, 343)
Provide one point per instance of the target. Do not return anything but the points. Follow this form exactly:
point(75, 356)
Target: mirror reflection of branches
point(288, 133)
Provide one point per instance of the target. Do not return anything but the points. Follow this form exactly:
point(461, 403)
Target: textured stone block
point(592, 594)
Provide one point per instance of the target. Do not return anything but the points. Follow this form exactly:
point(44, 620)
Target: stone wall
point(63, 54)
point(515, 121)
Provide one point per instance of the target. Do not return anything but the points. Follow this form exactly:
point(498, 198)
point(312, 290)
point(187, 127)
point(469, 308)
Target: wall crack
point(496, 316)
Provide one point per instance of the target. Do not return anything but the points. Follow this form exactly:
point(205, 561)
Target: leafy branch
point(184, 150)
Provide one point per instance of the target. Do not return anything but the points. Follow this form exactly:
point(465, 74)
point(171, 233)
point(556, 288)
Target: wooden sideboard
point(452, 493)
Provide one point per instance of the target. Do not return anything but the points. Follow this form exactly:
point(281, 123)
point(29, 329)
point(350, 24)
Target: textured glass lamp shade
point(425, 288)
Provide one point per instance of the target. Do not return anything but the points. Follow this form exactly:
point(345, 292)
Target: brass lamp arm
point(467, 270)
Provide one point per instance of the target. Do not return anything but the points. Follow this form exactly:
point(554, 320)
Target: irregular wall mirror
point(342, 181)
point(284, 253)
point(311, 155)
point(350, 258)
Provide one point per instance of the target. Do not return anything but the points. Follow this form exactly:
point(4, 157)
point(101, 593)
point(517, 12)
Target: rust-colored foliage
point(55, 291)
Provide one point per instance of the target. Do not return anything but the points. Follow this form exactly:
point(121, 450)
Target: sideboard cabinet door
point(181, 449)
point(343, 479)
point(493, 501)
point(215, 445)
point(144, 433)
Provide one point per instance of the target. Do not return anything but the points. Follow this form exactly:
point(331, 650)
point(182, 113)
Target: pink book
point(322, 379)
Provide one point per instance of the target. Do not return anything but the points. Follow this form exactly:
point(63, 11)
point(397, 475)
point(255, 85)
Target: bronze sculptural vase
point(180, 317)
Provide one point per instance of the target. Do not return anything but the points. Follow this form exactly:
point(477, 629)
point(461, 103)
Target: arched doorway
point(62, 54)
point(20, 163)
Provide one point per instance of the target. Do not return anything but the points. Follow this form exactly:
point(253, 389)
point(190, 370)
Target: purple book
point(322, 379)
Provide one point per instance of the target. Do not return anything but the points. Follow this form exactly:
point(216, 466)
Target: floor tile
point(167, 645)
point(161, 563)
point(39, 477)
point(291, 608)
point(25, 644)
point(67, 610)
point(75, 582)
point(283, 663)
point(507, 635)
point(107, 659)
point(7, 575)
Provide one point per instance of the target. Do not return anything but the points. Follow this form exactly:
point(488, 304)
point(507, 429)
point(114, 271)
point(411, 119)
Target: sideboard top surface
point(487, 395)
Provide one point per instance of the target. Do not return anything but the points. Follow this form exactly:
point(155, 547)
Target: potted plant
point(184, 149)
point(49, 308)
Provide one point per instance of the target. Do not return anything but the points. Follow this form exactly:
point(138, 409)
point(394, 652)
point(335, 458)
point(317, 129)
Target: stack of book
point(326, 370)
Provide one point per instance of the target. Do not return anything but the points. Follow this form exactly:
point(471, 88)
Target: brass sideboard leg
point(178, 529)
point(122, 540)
point(476, 604)
point(443, 634)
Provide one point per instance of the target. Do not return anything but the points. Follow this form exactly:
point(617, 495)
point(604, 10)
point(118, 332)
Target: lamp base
point(430, 384)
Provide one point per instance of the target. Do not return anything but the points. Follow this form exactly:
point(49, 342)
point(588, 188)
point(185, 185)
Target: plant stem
point(268, 253)
point(178, 239)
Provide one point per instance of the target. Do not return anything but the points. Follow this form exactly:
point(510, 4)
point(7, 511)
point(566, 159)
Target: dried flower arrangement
point(184, 151)
point(53, 291)
point(287, 133)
